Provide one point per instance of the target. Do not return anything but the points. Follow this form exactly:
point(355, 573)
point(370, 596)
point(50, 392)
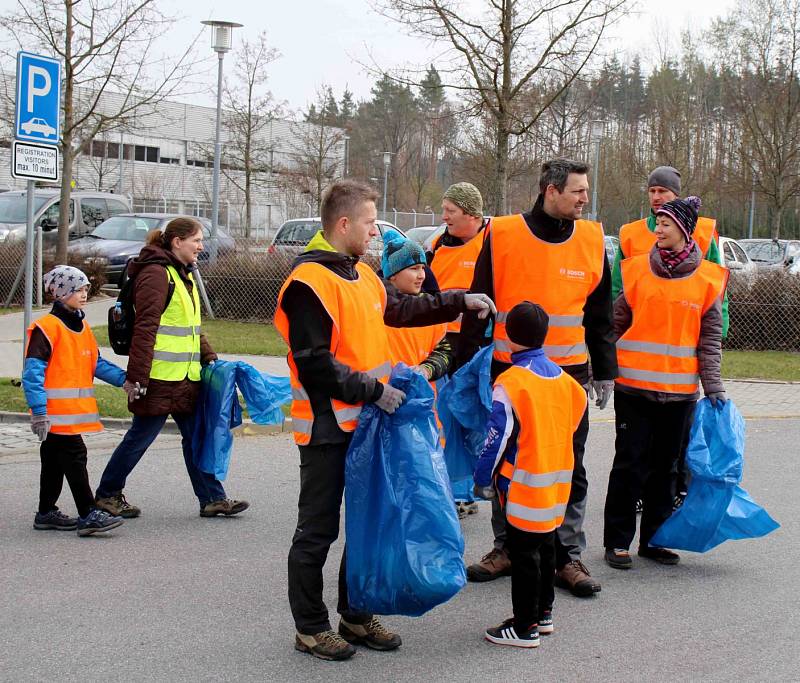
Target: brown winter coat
point(709, 346)
point(151, 286)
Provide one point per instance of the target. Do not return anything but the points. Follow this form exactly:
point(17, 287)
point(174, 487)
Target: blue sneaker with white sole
point(97, 522)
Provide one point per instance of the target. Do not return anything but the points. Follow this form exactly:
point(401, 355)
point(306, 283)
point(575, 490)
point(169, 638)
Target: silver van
point(87, 210)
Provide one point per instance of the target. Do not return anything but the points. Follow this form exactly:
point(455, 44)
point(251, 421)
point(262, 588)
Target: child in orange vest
point(527, 462)
point(61, 362)
point(424, 348)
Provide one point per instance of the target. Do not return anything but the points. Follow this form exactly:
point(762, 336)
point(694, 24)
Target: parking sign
point(38, 116)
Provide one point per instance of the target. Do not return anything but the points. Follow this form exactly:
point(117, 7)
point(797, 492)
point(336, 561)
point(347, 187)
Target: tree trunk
point(497, 204)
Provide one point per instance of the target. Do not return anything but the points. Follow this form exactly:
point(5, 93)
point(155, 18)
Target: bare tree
point(250, 110)
point(760, 44)
point(316, 152)
point(112, 71)
point(501, 52)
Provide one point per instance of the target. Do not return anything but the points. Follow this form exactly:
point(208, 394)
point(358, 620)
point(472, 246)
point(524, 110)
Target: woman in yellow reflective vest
point(668, 318)
point(167, 351)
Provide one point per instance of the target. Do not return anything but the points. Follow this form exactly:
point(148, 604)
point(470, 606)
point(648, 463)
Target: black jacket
point(310, 328)
point(597, 317)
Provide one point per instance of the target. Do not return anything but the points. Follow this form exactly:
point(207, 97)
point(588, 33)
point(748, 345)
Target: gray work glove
point(484, 492)
point(391, 399)
point(717, 397)
point(602, 388)
point(133, 389)
point(481, 303)
point(40, 425)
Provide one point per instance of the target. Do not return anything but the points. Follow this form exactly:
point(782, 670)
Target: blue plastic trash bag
point(464, 405)
point(716, 508)
point(218, 410)
point(404, 543)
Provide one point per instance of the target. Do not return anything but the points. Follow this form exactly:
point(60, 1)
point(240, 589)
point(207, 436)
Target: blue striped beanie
point(399, 253)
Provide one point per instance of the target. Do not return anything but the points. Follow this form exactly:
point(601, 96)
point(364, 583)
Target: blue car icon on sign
point(37, 125)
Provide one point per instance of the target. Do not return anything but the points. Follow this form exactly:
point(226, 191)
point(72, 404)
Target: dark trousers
point(650, 436)
point(532, 574)
point(570, 538)
point(318, 511)
point(64, 455)
point(137, 440)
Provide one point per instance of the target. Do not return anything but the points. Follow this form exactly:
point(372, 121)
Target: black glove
point(391, 399)
point(485, 492)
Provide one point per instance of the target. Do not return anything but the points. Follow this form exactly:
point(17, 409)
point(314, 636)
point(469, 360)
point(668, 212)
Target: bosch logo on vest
point(572, 274)
point(467, 264)
point(690, 304)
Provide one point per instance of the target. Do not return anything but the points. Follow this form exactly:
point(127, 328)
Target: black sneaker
point(506, 634)
point(619, 558)
point(678, 500)
point(55, 519)
point(97, 522)
point(546, 626)
point(639, 506)
point(660, 555)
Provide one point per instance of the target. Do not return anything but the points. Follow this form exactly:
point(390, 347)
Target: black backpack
point(122, 315)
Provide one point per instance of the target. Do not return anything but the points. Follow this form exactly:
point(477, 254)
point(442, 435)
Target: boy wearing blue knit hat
point(425, 348)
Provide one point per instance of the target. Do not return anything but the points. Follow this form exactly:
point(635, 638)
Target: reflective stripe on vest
point(454, 267)
point(549, 410)
point(358, 337)
point(659, 350)
point(636, 238)
point(69, 377)
point(176, 354)
point(559, 277)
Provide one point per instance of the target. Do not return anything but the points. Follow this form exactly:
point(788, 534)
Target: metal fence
point(244, 283)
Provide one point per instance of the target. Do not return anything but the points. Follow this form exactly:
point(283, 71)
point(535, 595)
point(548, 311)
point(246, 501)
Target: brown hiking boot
point(325, 645)
point(492, 566)
point(575, 577)
point(373, 634)
point(117, 505)
point(224, 507)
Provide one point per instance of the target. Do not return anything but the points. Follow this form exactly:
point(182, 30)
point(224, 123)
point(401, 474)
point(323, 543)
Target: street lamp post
point(221, 41)
point(346, 139)
point(597, 131)
point(387, 159)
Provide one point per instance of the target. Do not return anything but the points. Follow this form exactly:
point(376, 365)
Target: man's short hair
point(342, 198)
point(556, 171)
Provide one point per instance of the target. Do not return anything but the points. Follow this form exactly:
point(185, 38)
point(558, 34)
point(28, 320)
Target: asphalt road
point(173, 597)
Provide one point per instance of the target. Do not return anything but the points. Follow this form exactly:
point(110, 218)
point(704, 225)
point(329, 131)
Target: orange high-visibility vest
point(558, 277)
point(549, 410)
point(358, 339)
point(454, 267)
point(412, 345)
point(659, 351)
point(69, 377)
point(636, 239)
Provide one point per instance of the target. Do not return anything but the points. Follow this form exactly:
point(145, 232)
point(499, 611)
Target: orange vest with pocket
point(69, 377)
point(358, 338)
point(635, 238)
point(549, 410)
point(454, 267)
point(659, 350)
point(558, 277)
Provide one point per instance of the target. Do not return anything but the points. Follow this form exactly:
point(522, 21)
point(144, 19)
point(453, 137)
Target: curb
point(248, 427)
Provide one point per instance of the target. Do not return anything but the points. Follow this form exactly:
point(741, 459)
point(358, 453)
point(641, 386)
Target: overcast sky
point(326, 41)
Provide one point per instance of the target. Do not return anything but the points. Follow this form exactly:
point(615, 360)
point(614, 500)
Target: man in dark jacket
point(325, 382)
point(563, 189)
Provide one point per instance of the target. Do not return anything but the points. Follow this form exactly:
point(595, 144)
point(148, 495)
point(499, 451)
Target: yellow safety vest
point(176, 354)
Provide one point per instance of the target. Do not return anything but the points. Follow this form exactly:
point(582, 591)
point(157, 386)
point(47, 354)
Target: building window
point(169, 160)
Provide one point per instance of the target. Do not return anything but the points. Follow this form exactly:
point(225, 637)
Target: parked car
point(87, 210)
point(734, 257)
point(611, 243)
point(293, 236)
point(421, 233)
point(770, 254)
point(119, 240)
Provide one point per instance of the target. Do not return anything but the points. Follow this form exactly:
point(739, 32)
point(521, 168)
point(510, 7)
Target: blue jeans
point(137, 440)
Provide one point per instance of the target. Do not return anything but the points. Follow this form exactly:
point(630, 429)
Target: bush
point(88, 262)
point(764, 311)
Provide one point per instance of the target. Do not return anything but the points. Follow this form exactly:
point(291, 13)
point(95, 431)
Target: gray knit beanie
point(63, 281)
point(467, 197)
point(665, 176)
